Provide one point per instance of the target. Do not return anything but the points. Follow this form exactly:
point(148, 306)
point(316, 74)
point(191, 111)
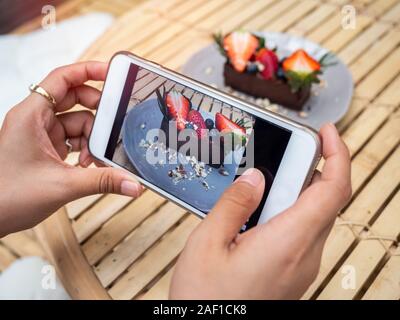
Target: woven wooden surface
point(131, 245)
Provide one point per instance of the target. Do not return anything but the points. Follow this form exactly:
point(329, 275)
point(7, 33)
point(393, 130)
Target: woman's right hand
point(276, 260)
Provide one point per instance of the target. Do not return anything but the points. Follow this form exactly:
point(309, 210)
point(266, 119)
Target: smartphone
point(188, 141)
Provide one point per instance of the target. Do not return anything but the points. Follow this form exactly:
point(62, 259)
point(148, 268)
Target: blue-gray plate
point(138, 121)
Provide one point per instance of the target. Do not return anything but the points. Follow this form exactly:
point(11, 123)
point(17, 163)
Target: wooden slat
point(64, 252)
point(374, 55)
point(356, 107)
point(367, 255)
point(291, 16)
point(22, 245)
point(351, 52)
point(361, 210)
point(138, 242)
point(327, 28)
point(160, 290)
point(313, 20)
point(390, 96)
point(123, 38)
point(344, 36)
point(165, 31)
point(387, 284)
point(393, 15)
point(365, 126)
point(377, 149)
point(217, 18)
point(98, 214)
point(247, 13)
point(120, 225)
point(156, 259)
point(379, 7)
point(207, 9)
point(75, 208)
point(278, 8)
point(380, 77)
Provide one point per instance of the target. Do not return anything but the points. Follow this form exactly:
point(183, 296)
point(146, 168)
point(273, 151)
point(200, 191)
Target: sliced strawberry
point(240, 46)
point(301, 70)
point(223, 124)
point(178, 107)
point(301, 63)
point(199, 125)
point(269, 61)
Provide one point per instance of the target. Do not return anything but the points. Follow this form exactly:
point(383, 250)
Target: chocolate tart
point(277, 91)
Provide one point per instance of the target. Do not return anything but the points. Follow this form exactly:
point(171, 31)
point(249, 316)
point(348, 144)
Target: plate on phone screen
point(328, 103)
point(147, 116)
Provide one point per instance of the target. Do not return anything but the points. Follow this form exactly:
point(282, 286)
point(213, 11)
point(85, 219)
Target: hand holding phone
point(276, 260)
point(190, 142)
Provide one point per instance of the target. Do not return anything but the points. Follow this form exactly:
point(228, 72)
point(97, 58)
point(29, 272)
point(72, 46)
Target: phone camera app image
point(185, 142)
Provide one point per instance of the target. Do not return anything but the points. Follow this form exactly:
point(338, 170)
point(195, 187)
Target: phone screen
point(189, 144)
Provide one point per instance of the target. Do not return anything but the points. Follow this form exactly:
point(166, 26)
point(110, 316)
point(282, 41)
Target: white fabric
point(26, 59)
point(31, 278)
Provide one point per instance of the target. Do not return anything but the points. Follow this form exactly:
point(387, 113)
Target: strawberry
point(269, 61)
point(174, 106)
point(199, 125)
point(301, 70)
point(239, 47)
point(301, 63)
point(223, 124)
point(226, 126)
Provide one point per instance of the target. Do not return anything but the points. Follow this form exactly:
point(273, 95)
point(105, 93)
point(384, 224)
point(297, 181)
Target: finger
point(234, 207)
point(88, 181)
point(319, 204)
point(77, 127)
point(60, 80)
point(337, 157)
point(81, 144)
point(84, 95)
point(76, 124)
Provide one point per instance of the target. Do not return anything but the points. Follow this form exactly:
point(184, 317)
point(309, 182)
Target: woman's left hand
point(35, 181)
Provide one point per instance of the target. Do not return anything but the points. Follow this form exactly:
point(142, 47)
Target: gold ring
point(43, 93)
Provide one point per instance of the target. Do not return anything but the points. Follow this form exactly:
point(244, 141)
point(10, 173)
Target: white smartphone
point(188, 141)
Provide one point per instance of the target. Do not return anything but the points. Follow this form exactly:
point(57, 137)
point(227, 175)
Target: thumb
point(88, 181)
point(235, 206)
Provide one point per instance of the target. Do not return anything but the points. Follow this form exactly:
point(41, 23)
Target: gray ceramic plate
point(139, 120)
point(328, 103)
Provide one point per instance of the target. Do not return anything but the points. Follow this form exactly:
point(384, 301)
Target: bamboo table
point(108, 246)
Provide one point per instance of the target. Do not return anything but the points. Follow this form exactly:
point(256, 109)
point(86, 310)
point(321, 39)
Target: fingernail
point(130, 188)
point(251, 176)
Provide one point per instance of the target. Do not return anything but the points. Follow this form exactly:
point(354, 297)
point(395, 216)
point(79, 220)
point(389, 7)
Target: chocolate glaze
point(277, 91)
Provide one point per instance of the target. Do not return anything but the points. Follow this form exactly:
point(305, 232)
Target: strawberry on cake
point(207, 132)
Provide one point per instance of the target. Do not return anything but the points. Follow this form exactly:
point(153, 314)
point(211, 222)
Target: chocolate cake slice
point(208, 150)
point(276, 90)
